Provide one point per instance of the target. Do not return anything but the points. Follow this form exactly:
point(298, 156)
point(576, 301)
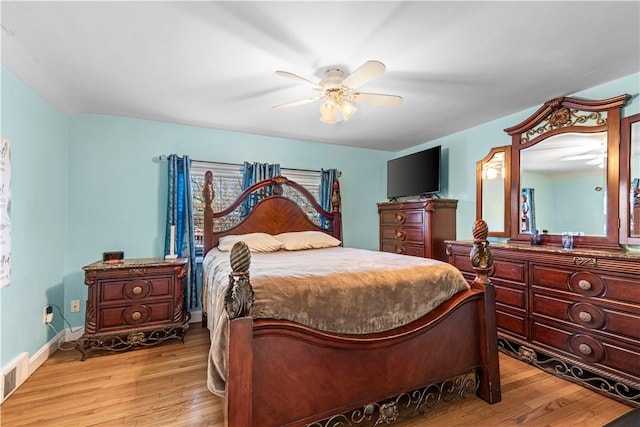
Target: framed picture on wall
point(5, 212)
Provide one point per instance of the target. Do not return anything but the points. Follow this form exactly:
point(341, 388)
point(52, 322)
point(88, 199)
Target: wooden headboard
point(273, 215)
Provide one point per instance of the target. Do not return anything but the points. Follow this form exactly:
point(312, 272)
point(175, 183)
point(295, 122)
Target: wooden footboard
point(282, 373)
point(285, 374)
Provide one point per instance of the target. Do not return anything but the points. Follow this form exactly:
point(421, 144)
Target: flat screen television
point(417, 174)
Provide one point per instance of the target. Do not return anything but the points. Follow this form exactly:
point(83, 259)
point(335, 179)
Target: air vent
point(9, 383)
point(14, 375)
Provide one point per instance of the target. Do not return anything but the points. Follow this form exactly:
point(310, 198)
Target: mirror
point(630, 181)
point(566, 173)
point(493, 197)
point(560, 176)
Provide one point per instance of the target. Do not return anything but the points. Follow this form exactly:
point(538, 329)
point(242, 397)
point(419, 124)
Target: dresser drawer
point(135, 289)
point(403, 234)
point(133, 315)
point(515, 272)
point(402, 217)
point(511, 323)
point(511, 297)
point(588, 315)
point(587, 283)
point(403, 249)
point(590, 349)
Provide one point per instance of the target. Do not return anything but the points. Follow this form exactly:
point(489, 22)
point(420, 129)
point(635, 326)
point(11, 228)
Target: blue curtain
point(180, 214)
point(256, 172)
point(326, 191)
point(527, 211)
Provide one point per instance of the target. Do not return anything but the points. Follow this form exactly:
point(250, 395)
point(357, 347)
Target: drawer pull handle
point(400, 250)
point(585, 316)
point(137, 290)
point(400, 217)
point(136, 315)
point(585, 349)
point(584, 284)
point(400, 234)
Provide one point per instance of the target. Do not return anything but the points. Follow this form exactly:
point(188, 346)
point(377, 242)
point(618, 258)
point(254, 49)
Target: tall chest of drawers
point(417, 227)
point(133, 303)
point(575, 313)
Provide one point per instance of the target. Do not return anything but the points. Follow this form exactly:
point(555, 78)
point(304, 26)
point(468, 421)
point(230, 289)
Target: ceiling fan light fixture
point(346, 109)
point(338, 91)
point(581, 157)
point(328, 111)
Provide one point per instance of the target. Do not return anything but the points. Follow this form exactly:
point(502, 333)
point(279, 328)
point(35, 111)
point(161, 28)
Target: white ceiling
point(212, 64)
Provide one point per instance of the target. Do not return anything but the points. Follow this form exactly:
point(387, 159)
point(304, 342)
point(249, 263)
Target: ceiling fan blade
point(367, 72)
point(298, 102)
point(376, 99)
point(297, 79)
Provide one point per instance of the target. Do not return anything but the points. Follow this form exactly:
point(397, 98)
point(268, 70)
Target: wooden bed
point(348, 379)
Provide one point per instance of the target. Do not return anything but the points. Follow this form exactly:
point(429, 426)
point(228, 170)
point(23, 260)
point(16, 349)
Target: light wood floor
point(166, 386)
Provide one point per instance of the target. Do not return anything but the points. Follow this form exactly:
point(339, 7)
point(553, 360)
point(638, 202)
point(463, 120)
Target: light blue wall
point(38, 135)
point(117, 185)
point(463, 149)
point(109, 193)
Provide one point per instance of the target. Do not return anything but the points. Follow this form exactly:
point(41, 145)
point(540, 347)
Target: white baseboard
point(25, 369)
point(196, 317)
point(43, 354)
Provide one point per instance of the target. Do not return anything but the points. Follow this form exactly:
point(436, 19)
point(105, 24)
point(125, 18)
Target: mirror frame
point(507, 189)
point(572, 115)
point(625, 180)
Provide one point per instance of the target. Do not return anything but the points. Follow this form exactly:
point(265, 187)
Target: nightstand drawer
point(133, 315)
point(136, 289)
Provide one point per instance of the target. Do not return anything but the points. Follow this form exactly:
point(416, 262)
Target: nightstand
point(133, 303)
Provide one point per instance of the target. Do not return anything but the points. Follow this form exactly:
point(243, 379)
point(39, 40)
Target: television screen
point(417, 174)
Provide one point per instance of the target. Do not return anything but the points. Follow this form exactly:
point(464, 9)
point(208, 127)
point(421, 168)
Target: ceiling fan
point(339, 92)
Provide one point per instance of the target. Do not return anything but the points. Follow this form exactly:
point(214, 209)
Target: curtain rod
point(165, 157)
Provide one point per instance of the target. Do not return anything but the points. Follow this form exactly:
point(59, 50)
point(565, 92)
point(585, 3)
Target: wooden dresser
point(417, 227)
point(133, 303)
point(575, 313)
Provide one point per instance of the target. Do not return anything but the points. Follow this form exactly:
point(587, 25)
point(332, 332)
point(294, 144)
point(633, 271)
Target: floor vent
point(9, 383)
point(14, 375)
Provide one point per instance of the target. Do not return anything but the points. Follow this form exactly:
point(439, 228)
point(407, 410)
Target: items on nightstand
point(172, 245)
point(113, 256)
point(133, 303)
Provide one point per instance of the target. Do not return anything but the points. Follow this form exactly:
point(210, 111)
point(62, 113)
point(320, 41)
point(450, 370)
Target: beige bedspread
point(343, 290)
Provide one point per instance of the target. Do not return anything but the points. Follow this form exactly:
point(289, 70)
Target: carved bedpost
point(207, 195)
point(276, 187)
point(335, 209)
point(482, 261)
point(481, 258)
point(239, 297)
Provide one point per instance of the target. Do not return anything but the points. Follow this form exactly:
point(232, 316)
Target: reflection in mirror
point(634, 168)
point(563, 185)
point(492, 190)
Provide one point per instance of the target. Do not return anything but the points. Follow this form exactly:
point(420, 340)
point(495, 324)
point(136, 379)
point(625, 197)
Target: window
point(227, 185)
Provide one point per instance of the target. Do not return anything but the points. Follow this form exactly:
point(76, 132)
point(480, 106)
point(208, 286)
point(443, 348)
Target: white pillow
point(257, 242)
point(306, 240)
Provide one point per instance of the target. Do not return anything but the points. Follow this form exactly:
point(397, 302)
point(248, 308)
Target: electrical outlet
point(75, 305)
point(48, 314)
